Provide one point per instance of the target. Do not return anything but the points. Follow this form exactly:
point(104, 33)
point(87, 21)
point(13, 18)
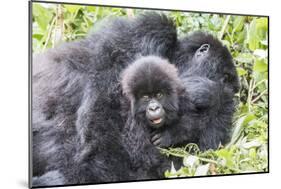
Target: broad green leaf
point(37, 36)
point(257, 32)
point(241, 123)
point(241, 71)
point(244, 58)
point(240, 36)
point(248, 118)
point(227, 156)
point(264, 42)
point(238, 23)
point(260, 53)
point(72, 8)
point(253, 37)
point(215, 23)
point(254, 143)
point(262, 25)
point(42, 15)
point(260, 66)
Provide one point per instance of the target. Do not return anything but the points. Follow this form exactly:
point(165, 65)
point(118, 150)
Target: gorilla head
point(201, 54)
point(152, 86)
point(210, 81)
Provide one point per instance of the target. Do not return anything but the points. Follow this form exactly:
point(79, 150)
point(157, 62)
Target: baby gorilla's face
point(155, 113)
point(151, 105)
point(156, 108)
point(152, 86)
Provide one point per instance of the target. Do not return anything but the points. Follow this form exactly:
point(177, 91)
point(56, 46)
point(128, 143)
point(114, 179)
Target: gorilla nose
point(154, 107)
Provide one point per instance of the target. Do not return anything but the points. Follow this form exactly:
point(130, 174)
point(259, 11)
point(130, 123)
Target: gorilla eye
point(159, 95)
point(145, 97)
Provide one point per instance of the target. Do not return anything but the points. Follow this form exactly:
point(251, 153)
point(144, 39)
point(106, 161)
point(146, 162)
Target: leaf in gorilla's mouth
point(156, 121)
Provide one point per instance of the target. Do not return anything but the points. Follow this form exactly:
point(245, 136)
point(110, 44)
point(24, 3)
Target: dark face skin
point(153, 108)
point(152, 86)
point(154, 111)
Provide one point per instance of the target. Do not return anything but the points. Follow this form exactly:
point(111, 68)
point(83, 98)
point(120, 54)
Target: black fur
point(73, 87)
point(149, 75)
point(207, 105)
point(216, 64)
point(83, 127)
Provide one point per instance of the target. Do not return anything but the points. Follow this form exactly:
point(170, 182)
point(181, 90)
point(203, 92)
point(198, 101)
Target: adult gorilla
point(70, 138)
point(207, 106)
point(79, 111)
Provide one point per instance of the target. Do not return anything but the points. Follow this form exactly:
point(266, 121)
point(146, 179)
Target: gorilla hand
point(161, 139)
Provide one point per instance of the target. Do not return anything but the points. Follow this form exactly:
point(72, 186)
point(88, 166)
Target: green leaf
point(72, 8)
point(238, 23)
point(37, 36)
point(253, 38)
point(257, 33)
point(252, 153)
point(253, 143)
point(215, 23)
point(240, 36)
point(264, 42)
point(260, 53)
point(42, 15)
point(244, 58)
point(260, 66)
point(241, 71)
point(227, 156)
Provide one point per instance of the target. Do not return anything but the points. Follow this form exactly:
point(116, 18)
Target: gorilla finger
point(157, 142)
point(155, 137)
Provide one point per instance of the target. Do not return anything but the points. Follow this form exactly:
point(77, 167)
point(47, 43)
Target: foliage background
point(247, 39)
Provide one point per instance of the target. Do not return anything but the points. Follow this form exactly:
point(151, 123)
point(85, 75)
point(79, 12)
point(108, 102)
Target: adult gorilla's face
point(152, 86)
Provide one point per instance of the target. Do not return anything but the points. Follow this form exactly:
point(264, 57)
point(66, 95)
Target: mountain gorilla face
point(155, 112)
point(151, 102)
point(219, 63)
point(152, 86)
point(207, 57)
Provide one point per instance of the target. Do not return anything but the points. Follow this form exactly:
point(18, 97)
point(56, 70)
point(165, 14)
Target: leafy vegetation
point(247, 39)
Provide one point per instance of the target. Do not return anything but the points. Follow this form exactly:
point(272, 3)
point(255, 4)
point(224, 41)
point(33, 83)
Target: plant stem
point(49, 33)
point(58, 32)
point(224, 27)
point(258, 97)
point(208, 160)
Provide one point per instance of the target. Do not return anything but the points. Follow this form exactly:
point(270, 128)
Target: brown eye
point(145, 97)
point(159, 95)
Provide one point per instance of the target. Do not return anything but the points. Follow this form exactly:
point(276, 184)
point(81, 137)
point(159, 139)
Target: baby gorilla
point(152, 86)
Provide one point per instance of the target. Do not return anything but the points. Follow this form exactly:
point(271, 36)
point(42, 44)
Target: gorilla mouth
point(156, 121)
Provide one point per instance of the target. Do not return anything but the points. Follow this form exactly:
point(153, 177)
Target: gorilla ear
point(202, 51)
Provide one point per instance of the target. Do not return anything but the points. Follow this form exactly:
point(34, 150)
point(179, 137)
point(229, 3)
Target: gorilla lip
point(156, 121)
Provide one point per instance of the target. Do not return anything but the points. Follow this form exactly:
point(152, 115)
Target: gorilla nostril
point(154, 108)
